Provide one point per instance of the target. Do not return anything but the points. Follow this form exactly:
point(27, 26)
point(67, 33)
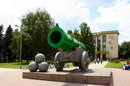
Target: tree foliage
point(15, 45)
point(124, 50)
point(85, 36)
point(74, 34)
point(34, 29)
point(1, 42)
point(7, 43)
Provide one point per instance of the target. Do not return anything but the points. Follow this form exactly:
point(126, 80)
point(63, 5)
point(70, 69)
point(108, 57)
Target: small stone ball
point(33, 66)
point(39, 58)
point(43, 66)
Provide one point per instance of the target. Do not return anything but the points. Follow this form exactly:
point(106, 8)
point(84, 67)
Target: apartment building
point(106, 44)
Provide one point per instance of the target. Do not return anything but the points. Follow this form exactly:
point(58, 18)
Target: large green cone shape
point(57, 38)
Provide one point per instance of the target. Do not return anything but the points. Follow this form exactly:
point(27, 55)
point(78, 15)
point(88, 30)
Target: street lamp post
point(20, 45)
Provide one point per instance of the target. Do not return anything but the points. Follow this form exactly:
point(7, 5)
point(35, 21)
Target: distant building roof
point(106, 32)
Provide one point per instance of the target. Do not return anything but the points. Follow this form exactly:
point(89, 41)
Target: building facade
point(106, 44)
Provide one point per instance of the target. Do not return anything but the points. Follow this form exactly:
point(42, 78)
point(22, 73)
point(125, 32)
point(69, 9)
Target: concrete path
point(121, 77)
point(13, 77)
point(98, 66)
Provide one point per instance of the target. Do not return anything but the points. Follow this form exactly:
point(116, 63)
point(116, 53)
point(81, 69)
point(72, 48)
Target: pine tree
point(1, 28)
point(2, 54)
point(9, 33)
point(7, 42)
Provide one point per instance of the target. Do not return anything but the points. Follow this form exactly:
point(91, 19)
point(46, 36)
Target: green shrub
point(114, 60)
point(50, 62)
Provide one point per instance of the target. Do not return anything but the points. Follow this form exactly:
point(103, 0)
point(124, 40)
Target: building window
point(98, 49)
point(104, 43)
point(104, 57)
point(94, 44)
point(94, 40)
point(104, 38)
point(104, 48)
point(98, 38)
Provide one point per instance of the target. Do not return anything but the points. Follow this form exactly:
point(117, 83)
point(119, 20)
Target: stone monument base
point(93, 76)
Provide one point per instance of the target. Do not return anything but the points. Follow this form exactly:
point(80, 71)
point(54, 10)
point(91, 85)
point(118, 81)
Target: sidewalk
point(13, 77)
point(98, 66)
point(121, 77)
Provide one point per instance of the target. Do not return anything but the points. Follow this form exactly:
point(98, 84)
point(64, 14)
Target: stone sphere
point(39, 58)
point(43, 66)
point(33, 66)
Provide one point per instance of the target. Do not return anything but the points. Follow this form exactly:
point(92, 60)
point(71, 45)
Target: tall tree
point(15, 44)
point(87, 38)
point(70, 32)
point(124, 50)
point(1, 29)
point(1, 43)
point(74, 34)
point(120, 49)
point(35, 27)
point(7, 42)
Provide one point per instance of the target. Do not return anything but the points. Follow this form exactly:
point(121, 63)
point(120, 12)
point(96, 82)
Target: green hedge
point(114, 60)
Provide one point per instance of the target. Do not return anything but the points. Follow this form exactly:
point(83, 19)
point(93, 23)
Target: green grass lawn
point(24, 65)
point(71, 64)
point(115, 65)
point(14, 65)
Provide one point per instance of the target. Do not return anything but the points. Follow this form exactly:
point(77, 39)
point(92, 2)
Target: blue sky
point(101, 15)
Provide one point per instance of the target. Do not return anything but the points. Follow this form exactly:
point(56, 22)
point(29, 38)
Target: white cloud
point(63, 11)
point(119, 14)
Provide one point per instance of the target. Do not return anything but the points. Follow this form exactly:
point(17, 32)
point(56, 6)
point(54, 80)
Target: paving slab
point(98, 66)
point(13, 77)
point(92, 76)
point(121, 77)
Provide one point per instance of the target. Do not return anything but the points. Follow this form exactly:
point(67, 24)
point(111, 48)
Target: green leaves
point(124, 50)
point(36, 26)
point(85, 36)
point(15, 43)
point(34, 29)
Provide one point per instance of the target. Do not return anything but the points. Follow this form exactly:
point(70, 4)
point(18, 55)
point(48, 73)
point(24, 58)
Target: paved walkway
point(121, 77)
point(98, 66)
point(13, 77)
